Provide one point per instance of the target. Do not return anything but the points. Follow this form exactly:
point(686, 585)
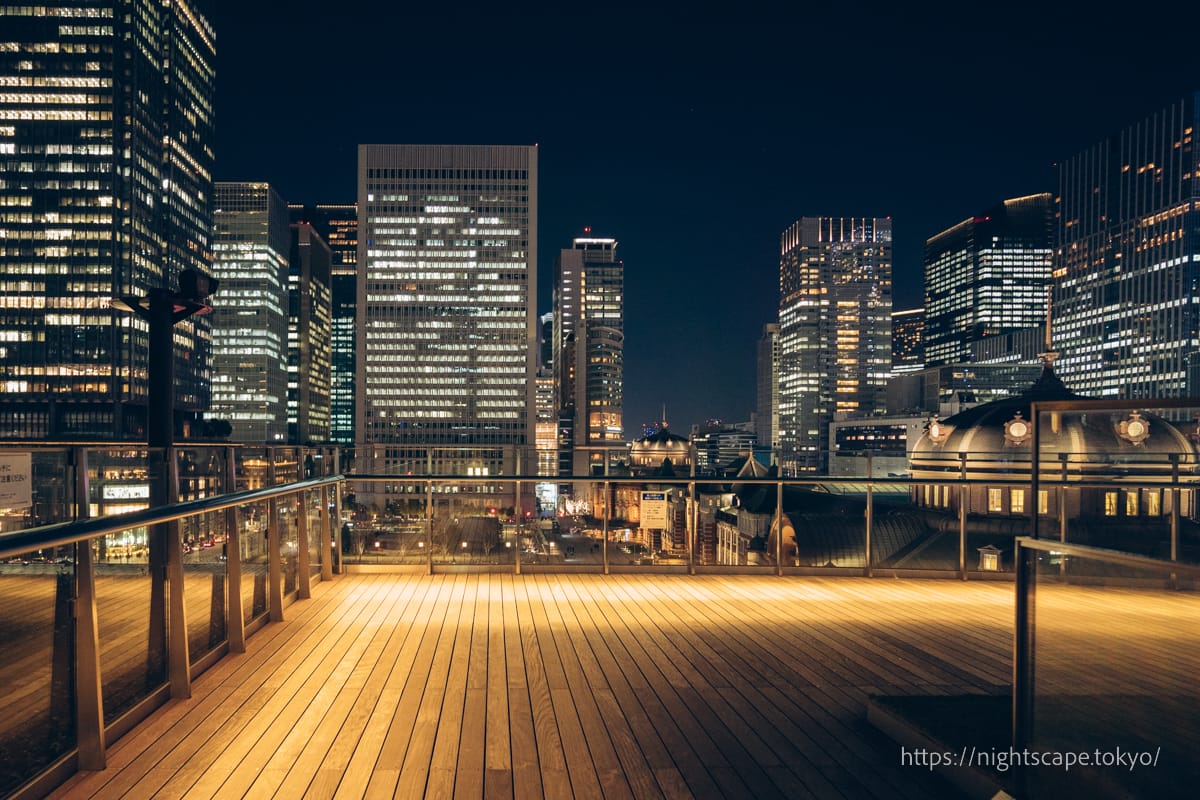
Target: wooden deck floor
point(558, 686)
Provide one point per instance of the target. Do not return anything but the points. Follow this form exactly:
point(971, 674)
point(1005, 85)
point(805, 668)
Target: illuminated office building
point(1127, 268)
point(589, 347)
point(987, 275)
point(766, 417)
point(310, 329)
point(106, 120)
point(249, 320)
point(908, 330)
point(835, 330)
point(447, 329)
point(337, 225)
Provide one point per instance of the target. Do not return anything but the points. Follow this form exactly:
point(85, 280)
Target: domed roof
point(661, 441)
point(1000, 430)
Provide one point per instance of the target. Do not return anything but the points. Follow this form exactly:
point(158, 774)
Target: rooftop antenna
point(664, 415)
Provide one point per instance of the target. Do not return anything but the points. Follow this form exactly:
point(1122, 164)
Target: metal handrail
point(1108, 556)
point(64, 533)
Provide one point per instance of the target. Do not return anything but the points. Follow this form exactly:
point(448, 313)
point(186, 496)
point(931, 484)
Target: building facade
point(106, 131)
point(250, 316)
point(310, 332)
point(447, 329)
point(766, 416)
point(337, 225)
point(908, 348)
point(835, 330)
point(987, 275)
point(1127, 265)
point(589, 346)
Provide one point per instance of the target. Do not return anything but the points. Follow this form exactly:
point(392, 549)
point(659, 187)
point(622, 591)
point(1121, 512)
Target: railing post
point(178, 662)
point(604, 528)
point(1023, 645)
point(337, 545)
point(870, 527)
point(303, 558)
point(779, 528)
point(1035, 468)
point(274, 567)
point(325, 545)
point(235, 622)
point(963, 494)
point(693, 527)
point(429, 524)
point(89, 693)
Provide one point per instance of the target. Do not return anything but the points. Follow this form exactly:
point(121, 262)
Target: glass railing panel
point(915, 526)
point(132, 636)
point(36, 666)
point(312, 507)
point(288, 464)
point(201, 472)
point(1117, 651)
point(468, 520)
point(47, 477)
point(204, 560)
point(119, 479)
point(252, 523)
point(289, 544)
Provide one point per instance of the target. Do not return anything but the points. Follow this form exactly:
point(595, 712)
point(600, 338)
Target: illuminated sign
point(119, 492)
point(16, 484)
point(654, 510)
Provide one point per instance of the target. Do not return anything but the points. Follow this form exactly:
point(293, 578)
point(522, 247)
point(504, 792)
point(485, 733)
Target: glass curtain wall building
point(106, 129)
point(835, 330)
point(310, 329)
point(1127, 270)
point(249, 320)
point(987, 275)
point(447, 328)
point(589, 346)
point(337, 224)
point(766, 417)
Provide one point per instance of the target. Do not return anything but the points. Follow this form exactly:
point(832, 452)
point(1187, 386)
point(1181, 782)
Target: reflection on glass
point(38, 723)
point(204, 559)
point(132, 638)
point(252, 519)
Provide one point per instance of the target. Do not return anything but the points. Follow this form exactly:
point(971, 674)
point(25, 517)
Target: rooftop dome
point(1000, 433)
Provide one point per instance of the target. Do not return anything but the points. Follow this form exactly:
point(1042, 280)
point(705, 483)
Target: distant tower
point(589, 345)
point(447, 329)
point(908, 346)
point(250, 312)
point(106, 189)
point(1127, 267)
point(835, 330)
point(310, 329)
point(337, 224)
point(766, 417)
point(987, 276)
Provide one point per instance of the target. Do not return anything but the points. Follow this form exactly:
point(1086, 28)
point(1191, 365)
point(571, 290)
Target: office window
point(995, 500)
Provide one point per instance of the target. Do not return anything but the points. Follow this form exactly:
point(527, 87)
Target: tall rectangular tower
point(589, 347)
point(106, 130)
point(1127, 265)
point(987, 275)
point(250, 312)
point(766, 416)
point(447, 327)
point(310, 329)
point(835, 330)
point(337, 224)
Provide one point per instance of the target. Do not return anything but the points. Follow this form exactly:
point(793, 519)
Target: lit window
point(1043, 501)
point(1131, 503)
point(1153, 502)
point(1110, 504)
point(1017, 500)
point(995, 500)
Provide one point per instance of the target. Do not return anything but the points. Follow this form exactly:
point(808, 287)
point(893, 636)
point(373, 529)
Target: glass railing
point(104, 619)
point(1108, 649)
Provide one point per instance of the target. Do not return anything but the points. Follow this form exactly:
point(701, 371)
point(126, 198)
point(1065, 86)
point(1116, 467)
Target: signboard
point(16, 480)
point(126, 491)
point(654, 510)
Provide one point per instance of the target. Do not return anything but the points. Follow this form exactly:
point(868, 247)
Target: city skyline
point(696, 140)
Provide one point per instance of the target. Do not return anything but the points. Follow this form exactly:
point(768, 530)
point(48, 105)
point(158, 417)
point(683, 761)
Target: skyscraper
point(337, 224)
point(250, 316)
point(1127, 267)
point(106, 126)
point(835, 330)
point(447, 329)
point(908, 347)
point(310, 329)
point(589, 347)
point(766, 416)
point(987, 275)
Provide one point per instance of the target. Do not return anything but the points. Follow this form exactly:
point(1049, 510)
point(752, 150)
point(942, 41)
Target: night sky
point(694, 139)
